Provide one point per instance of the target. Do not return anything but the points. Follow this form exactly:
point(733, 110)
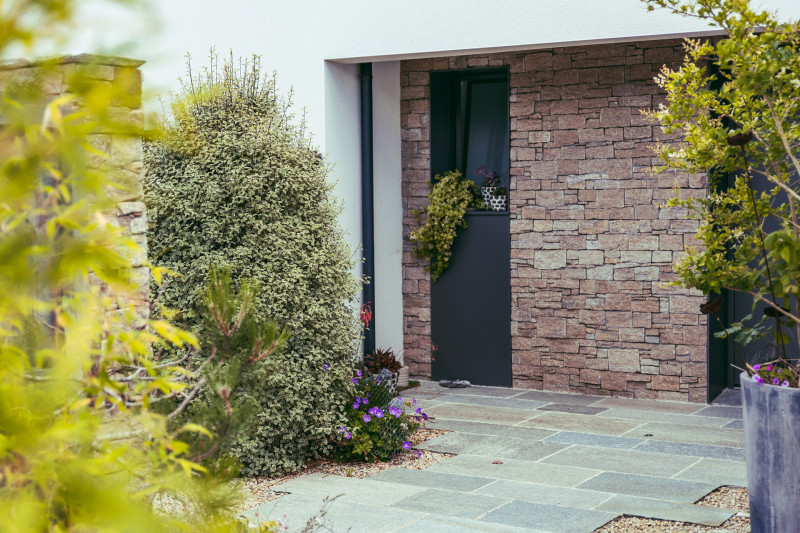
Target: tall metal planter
point(772, 448)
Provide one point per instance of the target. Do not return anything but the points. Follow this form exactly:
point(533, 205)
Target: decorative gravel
point(727, 497)
point(259, 489)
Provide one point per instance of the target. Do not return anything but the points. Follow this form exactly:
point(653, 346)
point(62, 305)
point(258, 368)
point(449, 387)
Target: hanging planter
point(448, 200)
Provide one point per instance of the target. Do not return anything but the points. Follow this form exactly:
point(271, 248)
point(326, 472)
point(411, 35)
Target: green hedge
point(232, 180)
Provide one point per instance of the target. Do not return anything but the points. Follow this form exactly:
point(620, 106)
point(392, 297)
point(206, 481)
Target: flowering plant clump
point(379, 425)
point(774, 373)
point(490, 177)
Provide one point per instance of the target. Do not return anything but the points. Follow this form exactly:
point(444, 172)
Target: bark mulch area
point(259, 489)
point(726, 497)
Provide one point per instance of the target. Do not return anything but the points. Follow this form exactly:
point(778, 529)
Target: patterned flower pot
point(498, 203)
point(488, 194)
point(772, 449)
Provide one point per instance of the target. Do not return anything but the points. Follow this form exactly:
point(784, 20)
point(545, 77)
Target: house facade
point(591, 251)
point(575, 293)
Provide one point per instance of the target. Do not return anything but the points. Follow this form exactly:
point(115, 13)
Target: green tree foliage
point(736, 103)
point(79, 448)
point(234, 181)
point(234, 343)
point(449, 197)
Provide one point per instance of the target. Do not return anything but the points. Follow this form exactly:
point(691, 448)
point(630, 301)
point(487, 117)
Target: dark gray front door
point(471, 301)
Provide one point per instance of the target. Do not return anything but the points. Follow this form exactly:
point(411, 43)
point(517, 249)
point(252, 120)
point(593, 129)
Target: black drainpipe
point(367, 218)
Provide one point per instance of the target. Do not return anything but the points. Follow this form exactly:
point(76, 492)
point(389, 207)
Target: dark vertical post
point(367, 217)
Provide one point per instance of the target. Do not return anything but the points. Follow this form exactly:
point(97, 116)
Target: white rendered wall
point(388, 204)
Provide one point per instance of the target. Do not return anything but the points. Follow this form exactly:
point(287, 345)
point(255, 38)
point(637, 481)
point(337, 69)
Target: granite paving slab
point(721, 411)
point(694, 450)
point(513, 448)
point(657, 488)
point(456, 442)
point(571, 408)
point(689, 434)
point(348, 488)
point(589, 439)
point(497, 392)
point(450, 503)
point(431, 479)
point(559, 397)
point(479, 413)
point(625, 461)
point(717, 472)
point(735, 424)
point(665, 418)
point(515, 470)
point(729, 397)
point(295, 511)
point(661, 510)
point(651, 405)
point(446, 524)
point(538, 493)
point(485, 428)
point(493, 401)
point(583, 423)
point(548, 517)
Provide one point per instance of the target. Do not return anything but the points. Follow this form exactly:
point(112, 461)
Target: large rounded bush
point(232, 180)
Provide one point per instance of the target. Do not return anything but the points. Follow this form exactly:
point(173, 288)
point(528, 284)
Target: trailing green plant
point(736, 103)
point(450, 196)
point(378, 426)
point(234, 181)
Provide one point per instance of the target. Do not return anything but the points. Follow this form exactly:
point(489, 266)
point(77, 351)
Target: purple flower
point(348, 435)
point(785, 383)
point(355, 381)
point(769, 367)
point(364, 401)
point(394, 411)
point(378, 413)
point(378, 379)
point(341, 429)
point(419, 454)
point(415, 401)
point(326, 367)
point(756, 367)
point(406, 445)
point(758, 379)
point(367, 418)
point(358, 373)
point(775, 381)
point(355, 405)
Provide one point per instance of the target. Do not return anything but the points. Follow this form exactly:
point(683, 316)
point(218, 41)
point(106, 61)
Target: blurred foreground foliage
point(80, 450)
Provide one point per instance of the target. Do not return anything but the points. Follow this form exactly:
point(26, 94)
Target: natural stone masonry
point(591, 251)
point(122, 143)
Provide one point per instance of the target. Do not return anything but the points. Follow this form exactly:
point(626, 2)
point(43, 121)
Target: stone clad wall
point(591, 251)
point(122, 144)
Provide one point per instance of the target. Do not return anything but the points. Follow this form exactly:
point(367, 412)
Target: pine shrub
point(233, 181)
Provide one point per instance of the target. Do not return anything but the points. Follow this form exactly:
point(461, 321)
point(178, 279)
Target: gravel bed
point(727, 497)
point(259, 489)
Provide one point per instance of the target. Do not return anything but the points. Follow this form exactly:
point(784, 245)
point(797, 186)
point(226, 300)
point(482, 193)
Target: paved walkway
point(569, 463)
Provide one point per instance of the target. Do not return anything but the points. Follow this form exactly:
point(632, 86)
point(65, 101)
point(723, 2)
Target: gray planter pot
point(772, 448)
